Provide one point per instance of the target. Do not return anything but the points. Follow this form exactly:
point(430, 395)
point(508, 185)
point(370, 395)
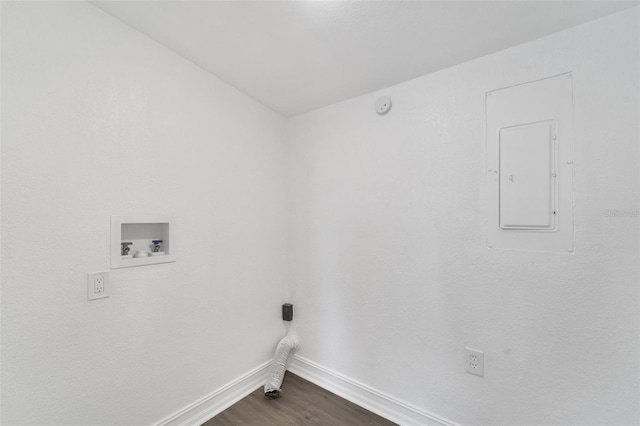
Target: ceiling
point(296, 56)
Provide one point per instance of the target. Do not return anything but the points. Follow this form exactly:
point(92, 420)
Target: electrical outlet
point(97, 285)
point(474, 361)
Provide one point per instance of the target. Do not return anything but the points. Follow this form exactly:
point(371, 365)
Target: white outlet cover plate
point(474, 361)
point(91, 278)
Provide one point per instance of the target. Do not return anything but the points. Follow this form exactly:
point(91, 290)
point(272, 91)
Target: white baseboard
point(219, 400)
point(375, 401)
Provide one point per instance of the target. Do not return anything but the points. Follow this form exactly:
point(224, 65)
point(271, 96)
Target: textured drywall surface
point(390, 274)
point(98, 120)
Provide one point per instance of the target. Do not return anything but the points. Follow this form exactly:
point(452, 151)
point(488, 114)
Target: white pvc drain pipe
point(286, 346)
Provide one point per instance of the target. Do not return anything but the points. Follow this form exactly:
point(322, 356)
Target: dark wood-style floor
point(301, 403)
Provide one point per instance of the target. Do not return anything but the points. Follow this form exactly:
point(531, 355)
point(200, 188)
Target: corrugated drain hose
point(286, 346)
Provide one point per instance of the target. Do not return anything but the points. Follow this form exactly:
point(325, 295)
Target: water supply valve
point(125, 248)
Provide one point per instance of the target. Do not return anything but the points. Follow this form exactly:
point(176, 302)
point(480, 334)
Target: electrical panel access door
point(530, 166)
point(527, 176)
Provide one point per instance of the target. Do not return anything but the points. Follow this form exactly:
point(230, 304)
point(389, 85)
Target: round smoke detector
point(383, 105)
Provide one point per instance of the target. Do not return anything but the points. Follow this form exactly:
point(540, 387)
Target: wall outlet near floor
point(474, 361)
point(97, 285)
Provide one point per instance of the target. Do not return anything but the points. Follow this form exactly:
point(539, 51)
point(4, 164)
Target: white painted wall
point(390, 274)
point(99, 120)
